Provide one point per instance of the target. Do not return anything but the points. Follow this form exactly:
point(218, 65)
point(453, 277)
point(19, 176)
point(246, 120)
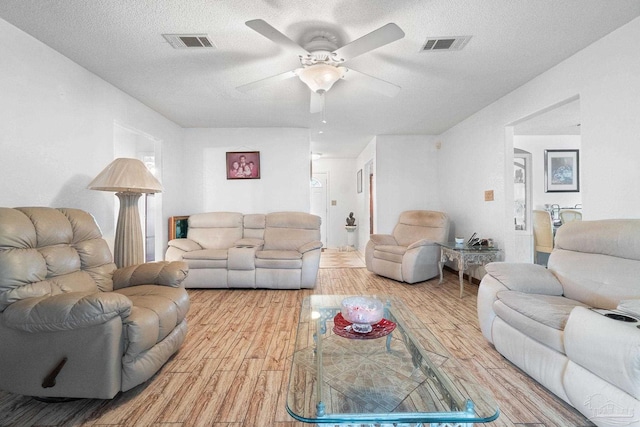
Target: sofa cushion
point(392, 249)
point(254, 226)
point(613, 237)
point(185, 244)
point(67, 311)
point(278, 259)
point(206, 254)
point(52, 226)
point(420, 224)
point(596, 280)
point(523, 277)
point(285, 264)
point(598, 262)
point(290, 230)
point(215, 230)
point(542, 317)
point(278, 255)
point(390, 253)
point(40, 254)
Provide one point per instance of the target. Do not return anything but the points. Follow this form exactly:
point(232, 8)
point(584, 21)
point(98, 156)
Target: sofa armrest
point(383, 239)
point(166, 273)
point(606, 347)
point(630, 306)
point(72, 310)
point(421, 242)
point(523, 277)
point(186, 245)
point(316, 244)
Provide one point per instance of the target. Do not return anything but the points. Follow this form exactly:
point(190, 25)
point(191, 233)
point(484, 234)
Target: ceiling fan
point(322, 61)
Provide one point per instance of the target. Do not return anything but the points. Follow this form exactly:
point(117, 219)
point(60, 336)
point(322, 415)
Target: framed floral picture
point(561, 171)
point(243, 165)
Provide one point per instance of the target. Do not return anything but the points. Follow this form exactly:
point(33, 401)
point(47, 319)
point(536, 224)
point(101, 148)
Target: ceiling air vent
point(445, 43)
point(188, 41)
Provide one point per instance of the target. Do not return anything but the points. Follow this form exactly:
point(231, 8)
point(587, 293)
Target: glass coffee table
point(399, 374)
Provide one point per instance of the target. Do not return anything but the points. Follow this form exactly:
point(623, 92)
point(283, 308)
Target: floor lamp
point(129, 178)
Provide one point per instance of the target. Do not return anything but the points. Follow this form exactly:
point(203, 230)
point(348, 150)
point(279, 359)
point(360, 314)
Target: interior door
point(319, 205)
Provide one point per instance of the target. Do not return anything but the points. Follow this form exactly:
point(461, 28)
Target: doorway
point(552, 128)
point(319, 205)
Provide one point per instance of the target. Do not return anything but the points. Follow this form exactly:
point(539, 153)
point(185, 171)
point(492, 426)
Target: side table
point(465, 256)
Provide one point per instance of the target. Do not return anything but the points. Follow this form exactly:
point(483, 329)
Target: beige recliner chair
point(71, 324)
point(410, 254)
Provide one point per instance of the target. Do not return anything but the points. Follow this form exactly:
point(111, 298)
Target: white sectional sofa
point(562, 325)
point(279, 250)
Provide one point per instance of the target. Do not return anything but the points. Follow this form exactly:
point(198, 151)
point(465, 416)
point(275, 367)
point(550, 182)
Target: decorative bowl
point(362, 312)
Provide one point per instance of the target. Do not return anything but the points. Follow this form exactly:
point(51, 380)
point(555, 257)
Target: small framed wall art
point(243, 165)
point(561, 171)
point(359, 181)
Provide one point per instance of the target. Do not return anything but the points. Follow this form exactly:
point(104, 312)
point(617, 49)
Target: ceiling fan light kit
point(320, 77)
point(322, 61)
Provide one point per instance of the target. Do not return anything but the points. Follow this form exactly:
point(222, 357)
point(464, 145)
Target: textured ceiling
point(512, 42)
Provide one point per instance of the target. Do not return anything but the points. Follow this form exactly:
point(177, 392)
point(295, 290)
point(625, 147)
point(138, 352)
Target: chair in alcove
point(569, 215)
point(542, 233)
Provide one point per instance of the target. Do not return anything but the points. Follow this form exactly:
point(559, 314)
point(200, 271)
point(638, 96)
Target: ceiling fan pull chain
point(324, 119)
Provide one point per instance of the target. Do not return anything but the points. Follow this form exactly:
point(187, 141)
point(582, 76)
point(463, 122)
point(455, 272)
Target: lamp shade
point(126, 176)
point(320, 77)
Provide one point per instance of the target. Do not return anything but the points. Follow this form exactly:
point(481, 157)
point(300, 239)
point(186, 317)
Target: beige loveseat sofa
point(71, 324)
point(410, 253)
point(560, 324)
point(279, 250)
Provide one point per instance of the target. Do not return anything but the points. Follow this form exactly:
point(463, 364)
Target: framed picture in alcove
point(359, 181)
point(178, 226)
point(243, 165)
point(561, 171)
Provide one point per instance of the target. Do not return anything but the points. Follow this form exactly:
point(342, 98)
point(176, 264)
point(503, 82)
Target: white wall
point(342, 189)
point(284, 175)
point(536, 145)
point(406, 177)
point(57, 130)
point(474, 155)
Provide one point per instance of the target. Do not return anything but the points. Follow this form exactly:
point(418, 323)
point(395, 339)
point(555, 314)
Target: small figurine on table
point(351, 219)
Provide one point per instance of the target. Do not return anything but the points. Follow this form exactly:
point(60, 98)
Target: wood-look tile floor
point(332, 258)
point(232, 370)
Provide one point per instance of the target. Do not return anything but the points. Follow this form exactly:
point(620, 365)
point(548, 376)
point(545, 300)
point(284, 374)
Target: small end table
point(465, 256)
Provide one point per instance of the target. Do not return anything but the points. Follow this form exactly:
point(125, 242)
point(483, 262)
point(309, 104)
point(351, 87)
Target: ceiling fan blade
point(267, 81)
point(276, 36)
point(379, 85)
point(375, 39)
point(317, 102)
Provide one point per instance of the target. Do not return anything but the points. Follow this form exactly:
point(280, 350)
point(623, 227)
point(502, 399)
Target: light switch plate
point(334, 203)
point(488, 196)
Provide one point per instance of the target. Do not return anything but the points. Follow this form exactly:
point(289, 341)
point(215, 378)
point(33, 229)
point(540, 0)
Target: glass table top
point(406, 376)
point(465, 247)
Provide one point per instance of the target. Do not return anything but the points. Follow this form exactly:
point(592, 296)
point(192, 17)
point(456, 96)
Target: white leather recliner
point(71, 324)
point(410, 254)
